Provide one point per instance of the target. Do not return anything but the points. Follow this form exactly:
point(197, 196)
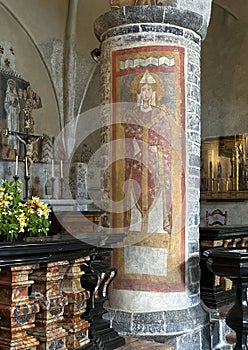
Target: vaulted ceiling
point(238, 8)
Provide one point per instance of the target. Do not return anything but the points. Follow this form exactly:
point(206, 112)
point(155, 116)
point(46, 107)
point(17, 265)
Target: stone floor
point(139, 344)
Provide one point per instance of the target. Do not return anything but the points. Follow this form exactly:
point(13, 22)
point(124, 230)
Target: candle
point(61, 169)
point(52, 167)
point(16, 166)
point(26, 165)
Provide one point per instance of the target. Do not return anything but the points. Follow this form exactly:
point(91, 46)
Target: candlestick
point(15, 177)
point(53, 180)
point(26, 166)
point(61, 187)
point(16, 166)
point(52, 167)
point(26, 178)
point(61, 169)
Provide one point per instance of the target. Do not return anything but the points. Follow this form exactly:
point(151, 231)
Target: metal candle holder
point(15, 177)
point(26, 179)
point(53, 180)
point(61, 187)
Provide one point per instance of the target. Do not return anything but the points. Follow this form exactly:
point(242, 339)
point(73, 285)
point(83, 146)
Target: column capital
point(131, 15)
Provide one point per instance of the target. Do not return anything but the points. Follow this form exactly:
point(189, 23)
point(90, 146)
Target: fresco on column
point(150, 177)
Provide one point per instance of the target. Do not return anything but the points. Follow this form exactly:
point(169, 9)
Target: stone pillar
point(150, 79)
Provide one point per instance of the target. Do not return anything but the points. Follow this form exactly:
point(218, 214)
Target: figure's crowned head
point(149, 82)
point(11, 84)
point(147, 78)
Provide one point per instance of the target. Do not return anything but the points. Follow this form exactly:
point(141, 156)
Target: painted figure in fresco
point(38, 101)
point(31, 97)
point(29, 106)
point(148, 158)
point(12, 109)
point(33, 101)
point(22, 103)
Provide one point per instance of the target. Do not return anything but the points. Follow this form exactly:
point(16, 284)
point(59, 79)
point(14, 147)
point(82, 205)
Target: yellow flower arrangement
point(31, 216)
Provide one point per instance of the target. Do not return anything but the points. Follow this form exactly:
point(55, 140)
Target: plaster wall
point(37, 31)
point(225, 76)
point(225, 91)
point(30, 65)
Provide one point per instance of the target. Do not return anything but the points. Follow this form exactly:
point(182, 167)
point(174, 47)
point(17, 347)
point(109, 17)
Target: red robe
point(148, 160)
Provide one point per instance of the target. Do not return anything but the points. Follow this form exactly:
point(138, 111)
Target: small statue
point(28, 142)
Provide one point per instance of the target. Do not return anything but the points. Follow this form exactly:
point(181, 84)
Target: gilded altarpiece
point(224, 168)
point(148, 115)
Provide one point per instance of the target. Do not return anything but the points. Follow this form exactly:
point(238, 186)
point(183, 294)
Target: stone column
point(150, 79)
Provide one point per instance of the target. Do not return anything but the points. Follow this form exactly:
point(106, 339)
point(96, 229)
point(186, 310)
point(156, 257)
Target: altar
point(217, 291)
point(47, 287)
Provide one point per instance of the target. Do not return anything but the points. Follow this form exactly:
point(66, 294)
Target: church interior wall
point(37, 32)
point(225, 99)
point(29, 64)
point(224, 76)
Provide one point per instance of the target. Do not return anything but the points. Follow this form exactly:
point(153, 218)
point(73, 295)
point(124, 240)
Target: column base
point(184, 329)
